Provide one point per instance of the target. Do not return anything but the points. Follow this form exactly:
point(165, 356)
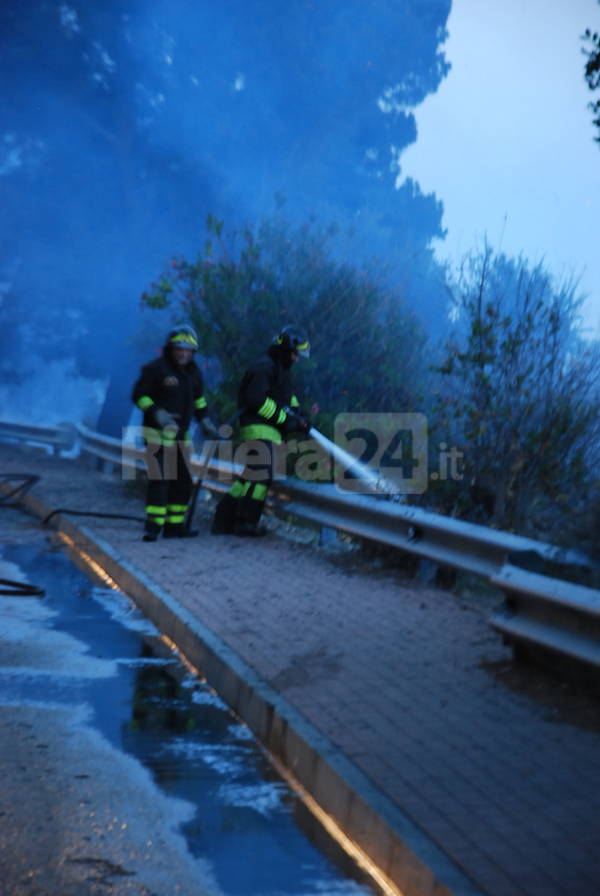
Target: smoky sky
point(123, 124)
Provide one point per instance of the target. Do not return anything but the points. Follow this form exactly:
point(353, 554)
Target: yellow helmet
point(183, 336)
point(293, 339)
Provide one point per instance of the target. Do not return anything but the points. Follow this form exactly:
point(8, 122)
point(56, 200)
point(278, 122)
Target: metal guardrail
point(113, 453)
point(61, 437)
point(553, 618)
point(467, 546)
point(552, 614)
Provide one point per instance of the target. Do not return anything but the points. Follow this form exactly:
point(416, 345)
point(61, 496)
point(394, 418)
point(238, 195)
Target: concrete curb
point(401, 851)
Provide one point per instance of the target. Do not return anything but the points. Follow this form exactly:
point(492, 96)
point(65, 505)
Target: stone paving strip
point(384, 697)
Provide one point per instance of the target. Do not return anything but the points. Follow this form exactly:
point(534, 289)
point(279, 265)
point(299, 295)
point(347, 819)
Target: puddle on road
point(252, 829)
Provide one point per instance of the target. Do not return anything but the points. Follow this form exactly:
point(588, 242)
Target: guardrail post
point(552, 622)
point(427, 571)
point(67, 436)
point(106, 467)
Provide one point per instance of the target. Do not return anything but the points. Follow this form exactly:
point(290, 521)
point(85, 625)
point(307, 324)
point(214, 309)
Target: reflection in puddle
point(254, 831)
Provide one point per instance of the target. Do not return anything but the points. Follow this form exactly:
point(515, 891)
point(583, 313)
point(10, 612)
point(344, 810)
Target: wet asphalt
point(120, 772)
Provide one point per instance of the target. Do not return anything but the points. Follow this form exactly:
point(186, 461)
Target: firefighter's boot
point(225, 516)
point(151, 531)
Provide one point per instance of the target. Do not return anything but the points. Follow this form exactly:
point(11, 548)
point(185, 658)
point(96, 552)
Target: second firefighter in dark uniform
point(269, 411)
point(169, 391)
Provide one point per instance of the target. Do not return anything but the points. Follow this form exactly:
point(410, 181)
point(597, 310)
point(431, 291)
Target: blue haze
point(123, 124)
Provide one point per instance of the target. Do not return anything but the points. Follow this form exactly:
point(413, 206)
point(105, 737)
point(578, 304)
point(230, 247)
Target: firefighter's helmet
point(293, 339)
point(183, 336)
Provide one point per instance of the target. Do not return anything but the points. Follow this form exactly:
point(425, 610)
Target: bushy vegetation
point(245, 285)
point(516, 394)
point(520, 396)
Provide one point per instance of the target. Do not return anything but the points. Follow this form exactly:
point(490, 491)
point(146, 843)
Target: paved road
point(501, 771)
point(77, 816)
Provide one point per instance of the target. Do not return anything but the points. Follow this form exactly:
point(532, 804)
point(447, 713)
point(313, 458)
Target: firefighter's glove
point(166, 421)
point(296, 423)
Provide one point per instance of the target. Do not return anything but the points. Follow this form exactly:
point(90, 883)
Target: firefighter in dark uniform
point(269, 411)
point(169, 391)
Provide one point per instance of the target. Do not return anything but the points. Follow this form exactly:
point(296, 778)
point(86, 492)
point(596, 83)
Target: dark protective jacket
point(265, 392)
point(178, 390)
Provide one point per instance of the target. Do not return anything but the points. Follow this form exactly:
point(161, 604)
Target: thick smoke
point(125, 123)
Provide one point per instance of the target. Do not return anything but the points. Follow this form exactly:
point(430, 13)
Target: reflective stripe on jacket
point(265, 392)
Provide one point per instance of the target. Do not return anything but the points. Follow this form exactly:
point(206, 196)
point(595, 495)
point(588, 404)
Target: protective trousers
point(169, 487)
point(239, 511)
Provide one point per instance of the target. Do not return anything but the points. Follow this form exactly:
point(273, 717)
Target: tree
point(124, 123)
point(244, 285)
point(520, 395)
point(592, 72)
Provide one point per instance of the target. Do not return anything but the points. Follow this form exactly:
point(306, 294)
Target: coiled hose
point(27, 481)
